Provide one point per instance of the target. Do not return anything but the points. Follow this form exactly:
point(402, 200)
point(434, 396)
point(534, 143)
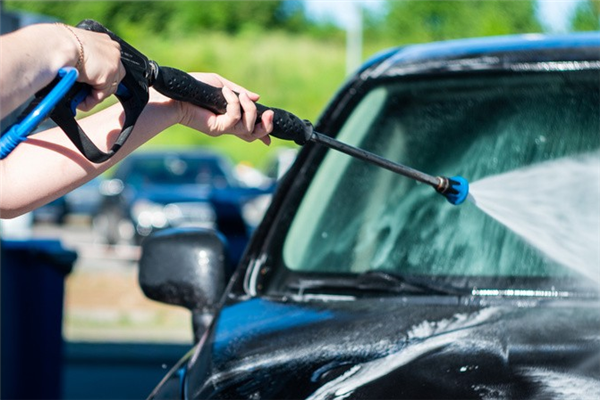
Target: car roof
point(515, 53)
point(184, 152)
point(125, 166)
point(490, 51)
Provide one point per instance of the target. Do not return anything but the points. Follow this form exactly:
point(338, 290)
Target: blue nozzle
point(455, 189)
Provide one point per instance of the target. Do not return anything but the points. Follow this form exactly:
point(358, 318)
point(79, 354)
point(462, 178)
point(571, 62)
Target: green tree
point(174, 17)
point(426, 21)
point(586, 16)
point(224, 16)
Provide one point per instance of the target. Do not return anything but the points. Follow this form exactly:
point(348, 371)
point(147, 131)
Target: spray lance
point(143, 73)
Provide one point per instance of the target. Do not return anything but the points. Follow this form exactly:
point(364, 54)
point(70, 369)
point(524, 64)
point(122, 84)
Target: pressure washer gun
point(143, 73)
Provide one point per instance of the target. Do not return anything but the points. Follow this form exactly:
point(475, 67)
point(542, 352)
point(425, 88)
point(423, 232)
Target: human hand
point(101, 68)
point(239, 120)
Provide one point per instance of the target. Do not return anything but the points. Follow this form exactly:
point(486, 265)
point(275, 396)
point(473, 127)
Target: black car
point(160, 189)
point(361, 283)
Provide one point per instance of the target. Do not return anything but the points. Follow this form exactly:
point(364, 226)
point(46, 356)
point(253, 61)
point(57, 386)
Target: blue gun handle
point(19, 132)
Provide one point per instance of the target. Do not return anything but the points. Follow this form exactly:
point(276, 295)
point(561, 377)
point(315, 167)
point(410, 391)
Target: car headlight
point(149, 215)
point(254, 210)
point(200, 214)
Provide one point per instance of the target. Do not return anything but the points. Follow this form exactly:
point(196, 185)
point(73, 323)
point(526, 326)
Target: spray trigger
point(78, 98)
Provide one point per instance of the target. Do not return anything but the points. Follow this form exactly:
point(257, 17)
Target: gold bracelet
point(81, 53)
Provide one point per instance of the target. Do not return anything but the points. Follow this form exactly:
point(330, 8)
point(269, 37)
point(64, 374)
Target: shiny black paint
point(197, 274)
point(401, 348)
point(198, 278)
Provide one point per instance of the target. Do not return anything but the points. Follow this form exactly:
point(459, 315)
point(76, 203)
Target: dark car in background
point(159, 189)
point(81, 202)
point(361, 283)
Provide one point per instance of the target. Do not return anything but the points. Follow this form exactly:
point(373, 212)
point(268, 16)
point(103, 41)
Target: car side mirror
point(185, 267)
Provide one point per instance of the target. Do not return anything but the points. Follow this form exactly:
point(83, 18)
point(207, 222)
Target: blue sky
point(554, 13)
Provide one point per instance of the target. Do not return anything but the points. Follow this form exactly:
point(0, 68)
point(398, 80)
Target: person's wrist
point(79, 45)
point(64, 45)
point(173, 111)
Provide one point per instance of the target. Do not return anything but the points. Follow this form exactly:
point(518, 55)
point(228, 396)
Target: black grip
point(181, 86)
point(132, 93)
point(63, 115)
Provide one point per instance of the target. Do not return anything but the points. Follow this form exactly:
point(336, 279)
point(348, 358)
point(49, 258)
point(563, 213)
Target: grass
point(295, 73)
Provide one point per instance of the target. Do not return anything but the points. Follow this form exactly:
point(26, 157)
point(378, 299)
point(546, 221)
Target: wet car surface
point(419, 351)
point(360, 283)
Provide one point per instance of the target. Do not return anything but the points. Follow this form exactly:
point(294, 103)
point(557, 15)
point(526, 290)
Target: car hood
point(398, 348)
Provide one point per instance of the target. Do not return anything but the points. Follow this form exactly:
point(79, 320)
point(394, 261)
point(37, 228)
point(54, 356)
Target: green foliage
point(224, 16)
point(175, 17)
point(426, 21)
point(301, 81)
point(586, 16)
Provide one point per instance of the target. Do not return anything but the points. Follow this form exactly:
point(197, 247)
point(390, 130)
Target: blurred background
point(295, 54)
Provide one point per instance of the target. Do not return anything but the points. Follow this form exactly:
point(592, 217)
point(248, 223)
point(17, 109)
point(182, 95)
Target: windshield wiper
point(373, 281)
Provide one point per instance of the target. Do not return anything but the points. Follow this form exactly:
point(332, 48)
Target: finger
point(87, 104)
point(98, 95)
point(251, 95)
point(267, 121)
point(266, 140)
point(101, 92)
point(105, 92)
point(122, 72)
point(118, 77)
point(239, 89)
point(264, 127)
point(94, 98)
point(233, 111)
point(249, 112)
point(111, 84)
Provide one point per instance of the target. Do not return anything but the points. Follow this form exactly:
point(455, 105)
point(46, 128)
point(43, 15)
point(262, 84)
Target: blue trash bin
point(32, 291)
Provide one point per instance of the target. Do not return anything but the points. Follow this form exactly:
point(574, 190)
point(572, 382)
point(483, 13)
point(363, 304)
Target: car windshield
point(174, 169)
point(356, 217)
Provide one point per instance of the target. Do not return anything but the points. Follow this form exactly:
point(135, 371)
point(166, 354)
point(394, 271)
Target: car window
point(356, 217)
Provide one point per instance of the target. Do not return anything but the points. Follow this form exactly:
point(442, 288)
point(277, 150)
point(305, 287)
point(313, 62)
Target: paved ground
point(103, 301)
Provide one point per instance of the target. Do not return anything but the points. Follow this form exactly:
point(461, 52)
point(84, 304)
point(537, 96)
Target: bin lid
point(48, 250)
